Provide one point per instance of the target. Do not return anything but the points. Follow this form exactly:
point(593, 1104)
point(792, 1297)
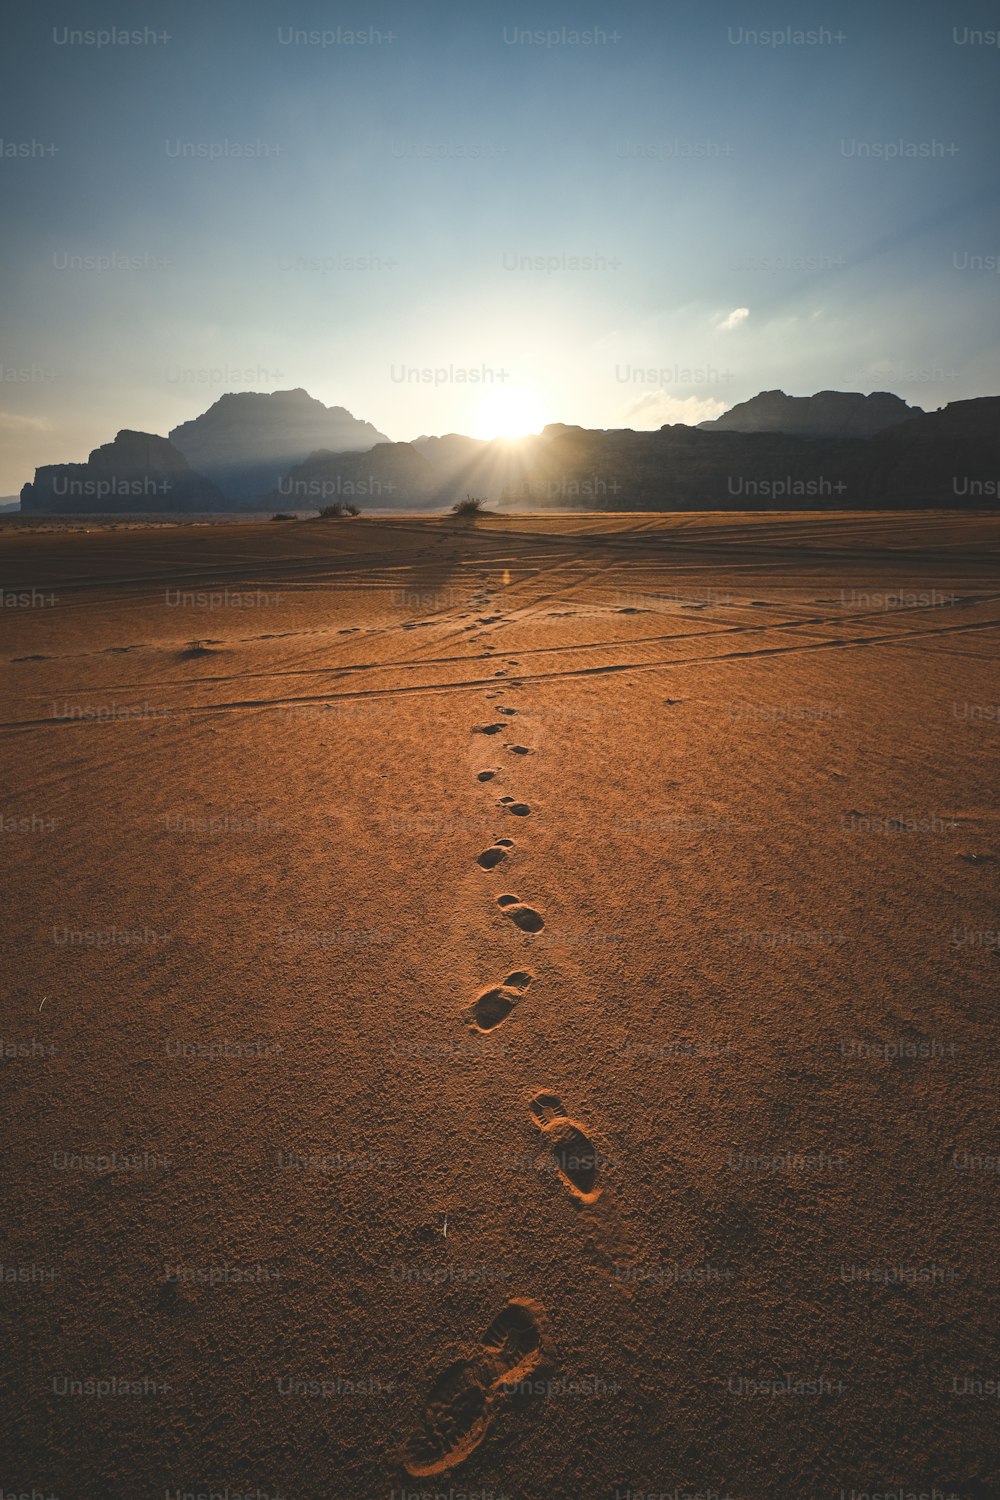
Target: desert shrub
point(282, 515)
point(338, 509)
point(472, 505)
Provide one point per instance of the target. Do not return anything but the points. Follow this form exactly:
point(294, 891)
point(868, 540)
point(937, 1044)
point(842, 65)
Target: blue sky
point(641, 227)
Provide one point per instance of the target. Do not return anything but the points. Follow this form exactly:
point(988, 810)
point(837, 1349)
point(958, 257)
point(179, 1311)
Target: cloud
point(12, 421)
point(734, 319)
point(657, 408)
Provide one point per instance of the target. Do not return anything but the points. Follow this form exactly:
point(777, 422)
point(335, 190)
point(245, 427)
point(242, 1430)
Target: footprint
point(505, 843)
point(506, 710)
point(575, 1156)
point(522, 916)
point(465, 1398)
point(518, 749)
point(487, 728)
point(518, 1340)
point(490, 858)
point(486, 776)
point(495, 1005)
point(519, 809)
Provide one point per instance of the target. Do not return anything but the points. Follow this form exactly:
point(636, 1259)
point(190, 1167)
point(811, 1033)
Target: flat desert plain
point(502, 1007)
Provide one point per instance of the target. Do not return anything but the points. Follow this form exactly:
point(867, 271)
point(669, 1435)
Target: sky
point(485, 218)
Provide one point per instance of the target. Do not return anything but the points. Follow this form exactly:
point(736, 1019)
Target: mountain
point(827, 414)
point(387, 475)
point(137, 472)
point(430, 473)
point(246, 441)
point(945, 458)
point(9, 502)
point(950, 457)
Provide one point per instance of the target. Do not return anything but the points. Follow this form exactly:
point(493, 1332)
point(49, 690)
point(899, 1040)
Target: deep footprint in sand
point(486, 775)
point(575, 1157)
point(495, 1004)
point(488, 728)
point(464, 1399)
point(521, 915)
point(490, 858)
point(518, 749)
point(519, 809)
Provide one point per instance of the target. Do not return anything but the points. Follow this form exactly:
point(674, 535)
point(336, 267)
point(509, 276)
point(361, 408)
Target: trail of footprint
point(525, 917)
point(464, 1400)
point(495, 1004)
point(576, 1158)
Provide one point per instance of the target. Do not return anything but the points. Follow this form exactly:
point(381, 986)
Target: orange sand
point(275, 1039)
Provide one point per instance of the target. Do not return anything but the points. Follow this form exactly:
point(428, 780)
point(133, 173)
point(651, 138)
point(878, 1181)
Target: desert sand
point(502, 1008)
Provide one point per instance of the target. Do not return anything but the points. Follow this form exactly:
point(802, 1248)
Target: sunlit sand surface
point(530, 986)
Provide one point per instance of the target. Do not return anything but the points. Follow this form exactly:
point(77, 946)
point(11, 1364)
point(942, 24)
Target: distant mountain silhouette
point(953, 453)
point(949, 457)
point(827, 414)
point(245, 442)
point(137, 472)
point(429, 473)
point(375, 479)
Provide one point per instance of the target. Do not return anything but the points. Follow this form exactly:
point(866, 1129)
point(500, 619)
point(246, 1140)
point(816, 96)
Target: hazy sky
point(239, 206)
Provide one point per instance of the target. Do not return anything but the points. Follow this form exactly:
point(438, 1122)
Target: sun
point(510, 413)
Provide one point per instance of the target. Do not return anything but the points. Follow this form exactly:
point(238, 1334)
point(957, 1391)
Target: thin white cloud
point(658, 407)
point(734, 319)
point(12, 421)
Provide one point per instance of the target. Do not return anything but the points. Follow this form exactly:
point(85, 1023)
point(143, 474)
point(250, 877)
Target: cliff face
point(946, 458)
point(388, 475)
point(137, 472)
point(827, 414)
point(429, 473)
point(246, 441)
